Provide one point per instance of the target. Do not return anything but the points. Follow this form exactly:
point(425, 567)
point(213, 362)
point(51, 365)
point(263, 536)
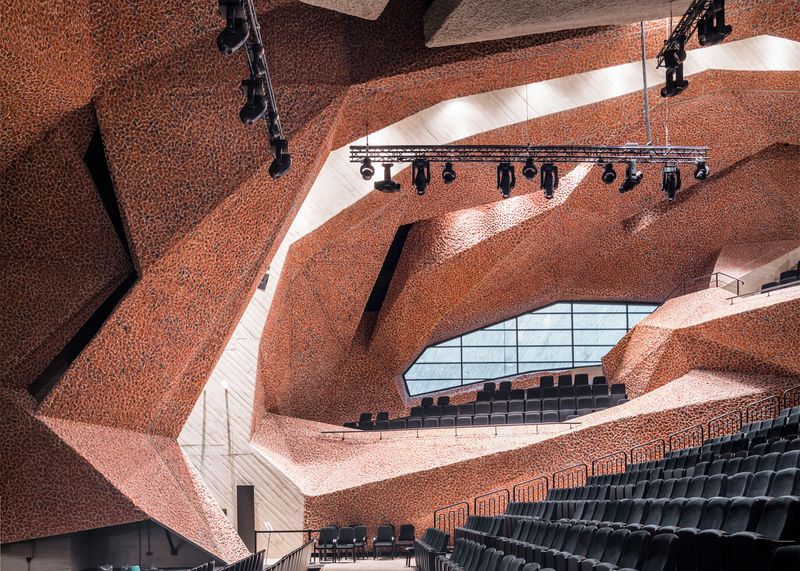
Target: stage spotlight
point(506, 179)
point(420, 175)
point(256, 104)
point(549, 179)
point(632, 177)
point(671, 181)
point(675, 56)
point(367, 170)
point(448, 173)
point(282, 161)
point(529, 169)
point(701, 170)
point(237, 30)
point(675, 82)
point(711, 28)
point(609, 174)
point(387, 184)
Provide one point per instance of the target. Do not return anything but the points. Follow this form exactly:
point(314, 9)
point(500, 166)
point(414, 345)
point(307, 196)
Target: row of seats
point(429, 547)
point(563, 546)
point(566, 399)
point(529, 405)
point(473, 556)
point(786, 278)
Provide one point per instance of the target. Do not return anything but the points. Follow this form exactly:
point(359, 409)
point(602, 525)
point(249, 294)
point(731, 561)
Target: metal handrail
point(720, 417)
point(452, 521)
point(642, 446)
point(488, 494)
point(568, 468)
point(714, 275)
point(785, 399)
point(767, 291)
point(531, 481)
point(685, 430)
point(608, 457)
point(570, 423)
point(775, 400)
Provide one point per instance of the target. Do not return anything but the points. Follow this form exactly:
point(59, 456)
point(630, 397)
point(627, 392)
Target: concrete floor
point(397, 564)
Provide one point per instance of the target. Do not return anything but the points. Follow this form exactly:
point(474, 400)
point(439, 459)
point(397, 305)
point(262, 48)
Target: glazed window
point(563, 335)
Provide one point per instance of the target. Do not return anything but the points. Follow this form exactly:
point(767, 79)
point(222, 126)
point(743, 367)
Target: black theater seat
point(430, 422)
point(533, 417)
point(500, 407)
point(498, 418)
point(546, 381)
point(464, 420)
point(447, 421)
point(516, 406)
point(533, 405)
point(778, 524)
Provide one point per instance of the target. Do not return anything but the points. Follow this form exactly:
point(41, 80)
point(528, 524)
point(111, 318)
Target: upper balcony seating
point(786, 278)
point(503, 405)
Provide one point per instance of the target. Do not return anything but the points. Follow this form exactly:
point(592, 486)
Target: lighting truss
point(259, 81)
point(520, 153)
point(686, 27)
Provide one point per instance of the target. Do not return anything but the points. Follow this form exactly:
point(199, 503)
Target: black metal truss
point(685, 28)
point(520, 153)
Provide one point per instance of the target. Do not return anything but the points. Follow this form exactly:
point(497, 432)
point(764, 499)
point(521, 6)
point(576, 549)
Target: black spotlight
point(448, 173)
point(701, 170)
point(671, 181)
point(420, 175)
point(237, 30)
point(529, 169)
point(282, 161)
point(711, 28)
point(506, 179)
point(256, 104)
point(675, 82)
point(387, 184)
point(676, 55)
point(549, 179)
point(367, 170)
point(609, 174)
point(632, 177)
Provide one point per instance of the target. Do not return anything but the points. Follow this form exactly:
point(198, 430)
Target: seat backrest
point(385, 533)
point(571, 540)
point(501, 394)
point(346, 536)
point(443, 401)
point(750, 464)
point(598, 545)
point(714, 513)
point(581, 379)
point(584, 540)
point(692, 512)
point(489, 387)
point(640, 490)
point(564, 380)
point(653, 488)
point(785, 483)
point(759, 485)
point(483, 407)
point(789, 459)
point(493, 561)
point(426, 402)
point(406, 532)
point(614, 546)
point(661, 553)
point(695, 489)
point(742, 515)
point(780, 519)
point(737, 484)
point(639, 511)
point(680, 487)
point(326, 535)
point(672, 512)
point(365, 417)
point(636, 545)
point(360, 532)
point(715, 486)
point(769, 461)
point(655, 512)
point(505, 563)
point(480, 562)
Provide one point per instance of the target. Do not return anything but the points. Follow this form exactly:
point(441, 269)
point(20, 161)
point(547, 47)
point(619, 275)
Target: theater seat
point(778, 523)
point(742, 515)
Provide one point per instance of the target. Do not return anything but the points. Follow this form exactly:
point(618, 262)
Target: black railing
point(450, 517)
point(697, 284)
point(297, 560)
point(204, 567)
point(791, 397)
point(571, 476)
point(610, 463)
point(491, 503)
point(763, 409)
point(254, 561)
point(442, 429)
point(724, 424)
point(652, 450)
point(534, 490)
point(686, 438)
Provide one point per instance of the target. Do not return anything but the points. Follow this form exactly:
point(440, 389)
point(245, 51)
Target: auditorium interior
point(450, 285)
